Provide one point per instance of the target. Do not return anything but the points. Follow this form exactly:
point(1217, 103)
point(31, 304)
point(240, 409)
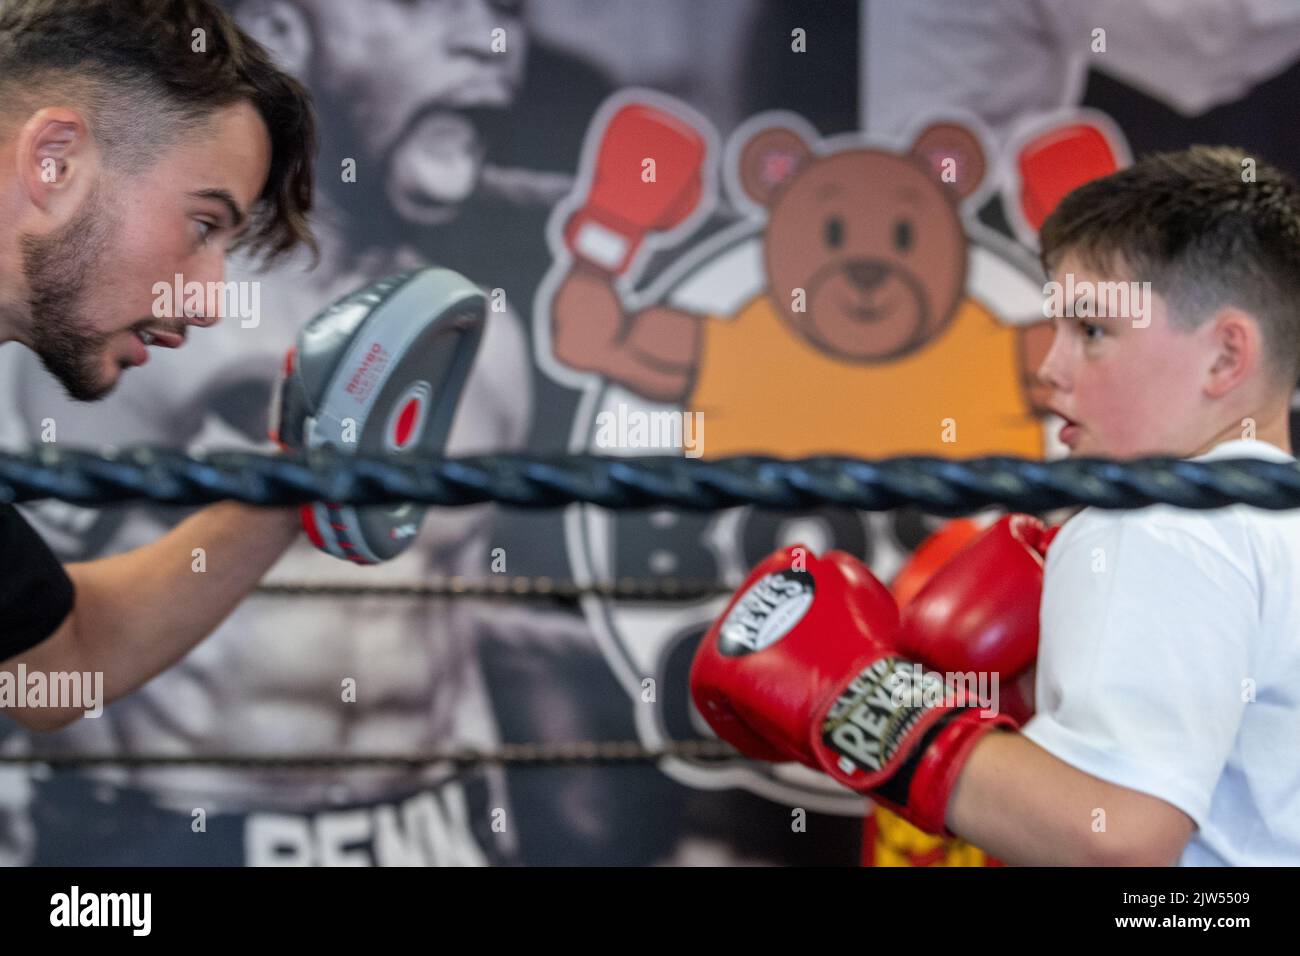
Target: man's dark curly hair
point(145, 71)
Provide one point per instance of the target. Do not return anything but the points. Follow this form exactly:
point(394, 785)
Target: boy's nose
point(1052, 372)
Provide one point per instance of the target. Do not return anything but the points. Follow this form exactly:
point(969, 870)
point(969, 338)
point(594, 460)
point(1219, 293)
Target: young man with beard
point(138, 141)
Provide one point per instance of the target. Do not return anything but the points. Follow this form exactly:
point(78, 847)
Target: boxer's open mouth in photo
point(435, 166)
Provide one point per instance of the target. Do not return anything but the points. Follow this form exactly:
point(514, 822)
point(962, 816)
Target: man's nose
point(208, 311)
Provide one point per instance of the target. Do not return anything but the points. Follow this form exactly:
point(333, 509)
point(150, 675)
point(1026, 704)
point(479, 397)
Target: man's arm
point(1023, 805)
point(138, 613)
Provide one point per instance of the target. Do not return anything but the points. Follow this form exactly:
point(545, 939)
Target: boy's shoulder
point(1235, 530)
point(1253, 542)
point(1224, 531)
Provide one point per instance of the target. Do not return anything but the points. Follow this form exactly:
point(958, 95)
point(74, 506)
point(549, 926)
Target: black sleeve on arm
point(36, 594)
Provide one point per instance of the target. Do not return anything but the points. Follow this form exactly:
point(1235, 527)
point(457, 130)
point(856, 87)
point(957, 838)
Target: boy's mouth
point(1070, 431)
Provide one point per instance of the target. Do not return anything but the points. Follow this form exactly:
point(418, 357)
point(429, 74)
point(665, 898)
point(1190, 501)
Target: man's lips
point(163, 338)
point(139, 351)
point(141, 339)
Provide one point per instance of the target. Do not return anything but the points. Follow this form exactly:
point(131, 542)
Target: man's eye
point(1091, 330)
point(205, 230)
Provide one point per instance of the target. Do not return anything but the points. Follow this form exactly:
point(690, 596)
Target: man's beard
point(58, 270)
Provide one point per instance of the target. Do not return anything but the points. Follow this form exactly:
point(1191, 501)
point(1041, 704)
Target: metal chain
point(539, 588)
point(531, 754)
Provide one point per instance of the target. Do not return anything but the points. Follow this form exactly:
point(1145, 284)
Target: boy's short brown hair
point(1208, 227)
point(145, 71)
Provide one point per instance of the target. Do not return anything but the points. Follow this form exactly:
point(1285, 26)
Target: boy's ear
point(1239, 351)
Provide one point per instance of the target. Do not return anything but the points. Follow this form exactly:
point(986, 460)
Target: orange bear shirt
point(765, 389)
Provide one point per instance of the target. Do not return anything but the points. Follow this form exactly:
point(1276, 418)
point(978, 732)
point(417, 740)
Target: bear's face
point(865, 249)
point(876, 246)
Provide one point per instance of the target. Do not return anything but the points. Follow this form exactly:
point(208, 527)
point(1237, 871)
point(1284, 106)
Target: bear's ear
point(769, 161)
point(953, 155)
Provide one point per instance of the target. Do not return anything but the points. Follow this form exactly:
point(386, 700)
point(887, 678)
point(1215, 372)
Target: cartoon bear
point(864, 341)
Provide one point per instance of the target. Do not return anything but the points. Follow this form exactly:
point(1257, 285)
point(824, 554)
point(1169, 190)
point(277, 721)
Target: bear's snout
point(866, 274)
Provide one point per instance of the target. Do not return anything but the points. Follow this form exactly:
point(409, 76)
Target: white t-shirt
point(1169, 663)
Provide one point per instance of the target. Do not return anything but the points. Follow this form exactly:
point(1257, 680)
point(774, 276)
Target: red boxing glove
point(622, 207)
point(1055, 163)
point(930, 555)
point(804, 662)
point(979, 611)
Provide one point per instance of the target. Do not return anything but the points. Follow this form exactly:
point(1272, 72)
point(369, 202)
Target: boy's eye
point(205, 229)
point(1091, 330)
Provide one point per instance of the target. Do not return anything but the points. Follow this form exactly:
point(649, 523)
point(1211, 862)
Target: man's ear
point(58, 159)
point(953, 155)
point(769, 161)
point(282, 28)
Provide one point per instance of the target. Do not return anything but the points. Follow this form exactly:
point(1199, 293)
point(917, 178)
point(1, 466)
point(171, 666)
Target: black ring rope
point(937, 485)
point(940, 486)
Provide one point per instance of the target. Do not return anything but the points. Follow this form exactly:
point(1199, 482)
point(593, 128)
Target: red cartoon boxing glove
point(1055, 163)
point(621, 207)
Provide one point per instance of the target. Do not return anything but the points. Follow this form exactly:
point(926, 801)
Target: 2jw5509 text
point(1195, 898)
